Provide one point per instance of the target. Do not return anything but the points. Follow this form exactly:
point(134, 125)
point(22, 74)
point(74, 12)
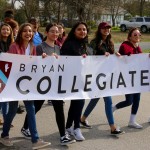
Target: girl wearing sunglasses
point(131, 46)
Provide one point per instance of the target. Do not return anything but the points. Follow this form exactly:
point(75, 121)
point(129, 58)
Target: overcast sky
point(17, 4)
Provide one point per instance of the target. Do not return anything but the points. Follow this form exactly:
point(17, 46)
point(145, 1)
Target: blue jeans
point(29, 105)
point(4, 106)
point(131, 99)
point(108, 108)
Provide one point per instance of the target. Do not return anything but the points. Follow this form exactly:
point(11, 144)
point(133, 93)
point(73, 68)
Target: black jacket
point(4, 46)
point(74, 48)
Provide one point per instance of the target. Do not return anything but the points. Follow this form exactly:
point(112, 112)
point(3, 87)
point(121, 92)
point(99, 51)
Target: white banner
point(33, 78)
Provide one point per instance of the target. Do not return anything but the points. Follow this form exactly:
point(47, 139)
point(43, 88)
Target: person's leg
point(5, 107)
point(36, 143)
point(9, 118)
point(29, 105)
point(108, 110)
point(135, 105)
point(134, 109)
point(89, 108)
point(7, 124)
point(1, 121)
point(70, 118)
point(77, 111)
point(74, 113)
point(60, 117)
point(78, 105)
point(37, 104)
point(127, 102)
point(58, 106)
point(110, 117)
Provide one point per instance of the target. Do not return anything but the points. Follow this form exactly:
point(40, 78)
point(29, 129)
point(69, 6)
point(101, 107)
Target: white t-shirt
point(28, 50)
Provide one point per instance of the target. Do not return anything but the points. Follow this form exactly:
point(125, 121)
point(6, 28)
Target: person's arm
point(122, 50)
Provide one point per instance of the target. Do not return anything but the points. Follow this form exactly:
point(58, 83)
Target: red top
point(127, 48)
point(60, 41)
point(15, 49)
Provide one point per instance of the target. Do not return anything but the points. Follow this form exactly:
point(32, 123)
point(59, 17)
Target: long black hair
point(71, 34)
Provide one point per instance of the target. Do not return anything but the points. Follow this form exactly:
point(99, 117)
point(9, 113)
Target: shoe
point(85, 124)
point(135, 125)
point(6, 141)
point(26, 133)
point(69, 131)
point(65, 140)
point(20, 110)
point(49, 102)
point(78, 135)
point(117, 132)
point(40, 144)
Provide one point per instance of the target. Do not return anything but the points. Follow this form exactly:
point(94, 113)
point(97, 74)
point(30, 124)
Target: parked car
point(143, 23)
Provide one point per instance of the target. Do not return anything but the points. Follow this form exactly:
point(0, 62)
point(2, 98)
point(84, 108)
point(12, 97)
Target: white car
point(143, 23)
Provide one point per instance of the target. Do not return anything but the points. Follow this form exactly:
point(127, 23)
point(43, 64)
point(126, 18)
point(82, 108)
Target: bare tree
point(113, 7)
point(142, 2)
point(30, 7)
point(13, 3)
point(3, 5)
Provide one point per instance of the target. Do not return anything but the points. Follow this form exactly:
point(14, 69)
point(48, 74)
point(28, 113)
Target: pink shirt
point(15, 49)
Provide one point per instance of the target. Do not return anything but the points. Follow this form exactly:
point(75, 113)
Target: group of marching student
point(31, 42)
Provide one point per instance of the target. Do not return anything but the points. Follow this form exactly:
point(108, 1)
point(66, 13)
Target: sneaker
point(69, 131)
point(66, 140)
point(117, 132)
point(26, 133)
point(6, 141)
point(85, 124)
point(78, 135)
point(135, 125)
point(40, 144)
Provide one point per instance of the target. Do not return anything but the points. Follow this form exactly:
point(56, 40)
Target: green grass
point(146, 51)
point(117, 35)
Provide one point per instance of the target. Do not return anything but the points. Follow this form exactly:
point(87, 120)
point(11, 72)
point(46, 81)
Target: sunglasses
point(137, 34)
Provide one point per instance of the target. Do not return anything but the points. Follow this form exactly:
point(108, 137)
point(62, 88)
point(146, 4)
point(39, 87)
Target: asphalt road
point(97, 138)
